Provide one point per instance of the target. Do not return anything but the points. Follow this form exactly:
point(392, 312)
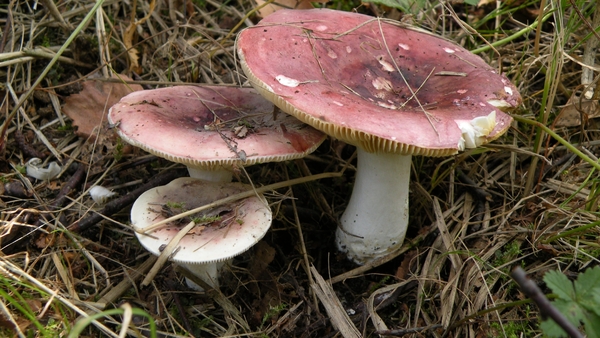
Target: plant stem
point(531, 290)
point(559, 139)
point(512, 37)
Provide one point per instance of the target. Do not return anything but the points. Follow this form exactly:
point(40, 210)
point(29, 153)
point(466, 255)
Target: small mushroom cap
point(373, 82)
point(200, 125)
point(241, 224)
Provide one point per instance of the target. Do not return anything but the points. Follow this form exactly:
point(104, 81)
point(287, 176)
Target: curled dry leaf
point(570, 115)
point(128, 39)
point(89, 107)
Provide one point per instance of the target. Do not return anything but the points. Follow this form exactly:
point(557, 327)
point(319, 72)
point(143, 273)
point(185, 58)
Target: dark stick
point(67, 188)
point(63, 193)
point(531, 290)
point(27, 149)
point(478, 193)
point(115, 205)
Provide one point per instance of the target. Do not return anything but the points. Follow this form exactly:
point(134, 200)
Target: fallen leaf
point(402, 272)
point(570, 115)
point(128, 39)
point(89, 107)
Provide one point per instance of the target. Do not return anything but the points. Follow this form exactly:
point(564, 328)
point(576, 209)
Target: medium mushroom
point(211, 129)
point(219, 235)
point(391, 90)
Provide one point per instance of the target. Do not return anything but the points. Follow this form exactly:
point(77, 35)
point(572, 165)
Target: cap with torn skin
point(211, 129)
point(220, 234)
point(391, 90)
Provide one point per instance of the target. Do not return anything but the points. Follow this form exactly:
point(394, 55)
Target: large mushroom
point(211, 129)
point(391, 90)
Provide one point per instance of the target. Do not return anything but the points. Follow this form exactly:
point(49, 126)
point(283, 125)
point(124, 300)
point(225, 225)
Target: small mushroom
point(391, 90)
point(220, 234)
point(211, 129)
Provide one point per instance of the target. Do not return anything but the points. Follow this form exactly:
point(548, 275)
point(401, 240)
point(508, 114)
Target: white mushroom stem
point(218, 175)
point(208, 272)
point(376, 218)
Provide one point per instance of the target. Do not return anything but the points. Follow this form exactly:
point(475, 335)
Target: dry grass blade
point(539, 209)
point(8, 268)
point(337, 314)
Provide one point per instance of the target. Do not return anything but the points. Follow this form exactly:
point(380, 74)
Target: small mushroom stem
point(215, 175)
point(376, 218)
point(208, 272)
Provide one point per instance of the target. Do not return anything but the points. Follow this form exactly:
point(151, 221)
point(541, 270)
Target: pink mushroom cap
point(349, 74)
point(190, 125)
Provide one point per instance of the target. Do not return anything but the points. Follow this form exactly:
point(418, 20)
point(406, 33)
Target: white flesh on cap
point(376, 218)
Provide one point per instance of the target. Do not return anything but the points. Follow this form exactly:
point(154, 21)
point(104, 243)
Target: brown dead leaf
point(570, 115)
point(89, 107)
point(263, 256)
point(403, 270)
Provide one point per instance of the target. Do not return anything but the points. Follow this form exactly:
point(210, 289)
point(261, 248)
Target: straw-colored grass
point(528, 200)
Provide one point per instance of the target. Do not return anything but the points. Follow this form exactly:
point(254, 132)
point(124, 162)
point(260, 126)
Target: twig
point(27, 150)
point(55, 13)
point(531, 290)
point(67, 188)
point(337, 314)
point(479, 193)
point(302, 243)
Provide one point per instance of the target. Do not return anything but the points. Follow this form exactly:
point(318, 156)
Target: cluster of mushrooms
point(390, 90)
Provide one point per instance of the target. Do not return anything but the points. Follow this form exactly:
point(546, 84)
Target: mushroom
point(211, 129)
point(219, 235)
point(391, 90)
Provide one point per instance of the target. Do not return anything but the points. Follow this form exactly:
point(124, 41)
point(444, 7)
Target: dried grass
point(449, 280)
